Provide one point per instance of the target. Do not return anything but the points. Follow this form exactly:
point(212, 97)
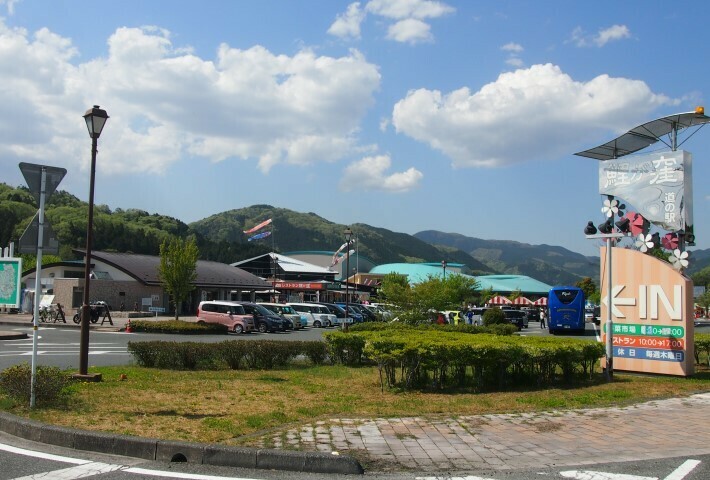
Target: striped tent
point(540, 301)
point(522, 301)
point(499, 300)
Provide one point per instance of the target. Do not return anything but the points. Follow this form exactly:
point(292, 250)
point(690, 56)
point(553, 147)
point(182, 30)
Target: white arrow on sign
point(622, 301)
point(677, 474)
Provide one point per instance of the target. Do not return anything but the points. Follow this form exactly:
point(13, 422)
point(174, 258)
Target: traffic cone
point(129, 328)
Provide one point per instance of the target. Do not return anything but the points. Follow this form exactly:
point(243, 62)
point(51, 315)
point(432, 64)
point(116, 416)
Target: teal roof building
point(504, 284)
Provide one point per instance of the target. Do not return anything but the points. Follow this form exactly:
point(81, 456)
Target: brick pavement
point(656, 429)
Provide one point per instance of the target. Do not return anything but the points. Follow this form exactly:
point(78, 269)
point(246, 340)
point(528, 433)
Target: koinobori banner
point(659, 185)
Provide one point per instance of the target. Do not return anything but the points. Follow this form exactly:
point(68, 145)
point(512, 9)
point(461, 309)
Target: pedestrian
point(135, 307)
point(121, 307)
point(543, 317)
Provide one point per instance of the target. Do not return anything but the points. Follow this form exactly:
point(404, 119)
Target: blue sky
point(403, 114)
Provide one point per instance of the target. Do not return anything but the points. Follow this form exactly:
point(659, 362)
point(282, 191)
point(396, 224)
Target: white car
point(317, 315)
point(286, 311)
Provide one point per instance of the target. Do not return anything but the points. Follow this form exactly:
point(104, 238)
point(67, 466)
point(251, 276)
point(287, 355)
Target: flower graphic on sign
point(679, 259)
point(670, 241)
point(611, 207)
point(644, 242)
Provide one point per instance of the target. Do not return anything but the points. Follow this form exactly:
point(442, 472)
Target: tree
point(515, 294)
point(704, 301)
point(486, 294)
point(178, 269)
point(589, 288)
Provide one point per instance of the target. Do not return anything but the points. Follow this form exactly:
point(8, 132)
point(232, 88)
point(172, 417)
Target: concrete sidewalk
point(656, 429)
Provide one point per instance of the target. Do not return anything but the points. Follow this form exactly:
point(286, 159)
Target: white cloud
point(604, 36)
point(370, 173)
point(528, 114)
point(514, 62)
point(410, 31)
point(384, 124)
point(347, 25)
point(10, 5)
point(512, 47)
point(164, 102)
point(401, 9)
point(615, 32)
point(408, 16)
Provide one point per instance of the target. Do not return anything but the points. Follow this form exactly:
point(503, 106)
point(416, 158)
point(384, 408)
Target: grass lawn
point(230, 407)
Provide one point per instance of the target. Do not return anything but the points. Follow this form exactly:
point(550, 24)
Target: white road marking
point(454, 478)
point(87, 468)
point(591, 475)
point(82, 471)
point(680, 472)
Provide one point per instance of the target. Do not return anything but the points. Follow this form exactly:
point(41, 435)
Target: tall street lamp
point(443, 265)
point(95, 121)
point(348, 236)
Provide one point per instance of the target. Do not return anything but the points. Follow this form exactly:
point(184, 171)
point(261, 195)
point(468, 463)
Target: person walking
point(543, 318)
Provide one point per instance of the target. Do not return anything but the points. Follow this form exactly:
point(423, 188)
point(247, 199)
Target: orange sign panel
point(651, 313)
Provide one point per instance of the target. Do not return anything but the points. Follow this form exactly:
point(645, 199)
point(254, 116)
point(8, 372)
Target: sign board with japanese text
point(652, 314)
point(299, 285)
point(10, 281)
point(658, 185)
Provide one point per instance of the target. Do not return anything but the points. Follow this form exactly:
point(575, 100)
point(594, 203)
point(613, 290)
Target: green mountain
point(549, 264)
point(293, 231)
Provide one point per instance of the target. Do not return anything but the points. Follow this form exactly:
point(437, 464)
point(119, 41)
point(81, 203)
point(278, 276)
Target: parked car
point(338, 311)
point(264, 319)
point(230, 314)
point(516, 317)
point(285, 311)
point(356, 315)
point(315, 314)
point(477, 317)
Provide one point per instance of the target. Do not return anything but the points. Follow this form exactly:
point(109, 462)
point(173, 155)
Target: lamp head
point(606, 227)
point(95, 120)
point(624, 225)
point(590, 229)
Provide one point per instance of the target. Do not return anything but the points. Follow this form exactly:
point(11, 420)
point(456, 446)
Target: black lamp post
point(348, 236)
point(443, 265)
point(95, 121)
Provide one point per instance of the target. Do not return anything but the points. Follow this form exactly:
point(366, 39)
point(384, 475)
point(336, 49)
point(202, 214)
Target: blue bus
point(565, 309)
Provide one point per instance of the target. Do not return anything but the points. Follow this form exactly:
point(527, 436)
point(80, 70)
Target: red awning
point(499, 300)
point(522, 301)
point(540, 301)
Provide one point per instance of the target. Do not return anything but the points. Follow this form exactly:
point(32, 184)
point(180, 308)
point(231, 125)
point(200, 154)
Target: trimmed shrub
point(50, 383)
point(178, 326)
point(494, 316)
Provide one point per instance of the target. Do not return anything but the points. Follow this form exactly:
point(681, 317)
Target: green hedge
point(178, 326)
point(233, 354)
point(414, 358)
point(702, 348)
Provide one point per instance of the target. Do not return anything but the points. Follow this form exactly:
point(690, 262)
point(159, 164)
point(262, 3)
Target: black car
point(516, 317)
point(264, 319)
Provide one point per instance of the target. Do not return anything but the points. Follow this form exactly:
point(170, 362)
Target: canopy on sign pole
point(522, 301)
point(499, 300)
point(540, 301)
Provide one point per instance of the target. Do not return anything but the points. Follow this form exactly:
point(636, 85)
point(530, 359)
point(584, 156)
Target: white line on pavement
point(87, 468)
point(591, 475)
point(680, 472)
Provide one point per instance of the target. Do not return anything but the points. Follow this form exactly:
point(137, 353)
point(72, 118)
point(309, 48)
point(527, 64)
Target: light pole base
point(89, 377)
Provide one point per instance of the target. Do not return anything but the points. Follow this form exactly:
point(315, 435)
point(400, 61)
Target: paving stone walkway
point(656, 429)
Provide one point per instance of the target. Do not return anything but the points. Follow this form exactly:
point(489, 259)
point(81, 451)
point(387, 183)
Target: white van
point(318, 315)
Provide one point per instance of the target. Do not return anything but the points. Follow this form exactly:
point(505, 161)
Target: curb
point(12, 335)
point(175, 451)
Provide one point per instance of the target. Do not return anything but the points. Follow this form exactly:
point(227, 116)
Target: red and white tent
point(499, 300)
point(522, 301)
point(540, 301)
